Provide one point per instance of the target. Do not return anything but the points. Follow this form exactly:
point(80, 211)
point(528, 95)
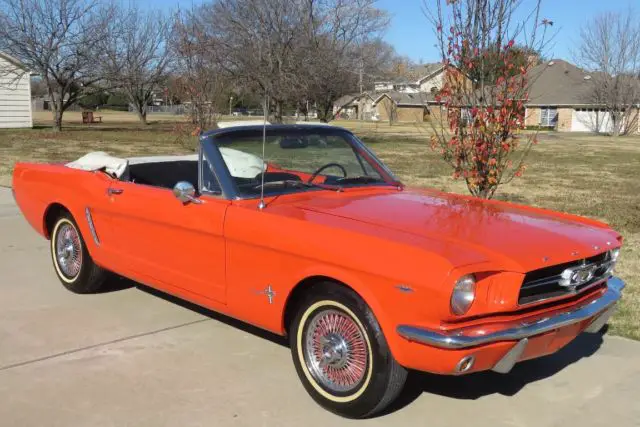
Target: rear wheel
point(341, 354)
point(71, 260)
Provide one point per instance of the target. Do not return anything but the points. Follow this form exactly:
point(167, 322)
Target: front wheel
point(341, 354)
point(71, 260)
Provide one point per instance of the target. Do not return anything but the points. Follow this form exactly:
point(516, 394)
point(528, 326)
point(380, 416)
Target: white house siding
point(436, 81)
point(15, 96)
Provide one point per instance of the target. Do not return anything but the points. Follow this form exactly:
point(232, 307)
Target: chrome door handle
point(112, 191)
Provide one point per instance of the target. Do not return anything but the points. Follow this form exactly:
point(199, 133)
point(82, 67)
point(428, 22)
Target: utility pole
point(361, 72)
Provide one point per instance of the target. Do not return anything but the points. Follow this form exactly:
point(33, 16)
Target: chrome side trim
point(460, 338)
point(92, 227)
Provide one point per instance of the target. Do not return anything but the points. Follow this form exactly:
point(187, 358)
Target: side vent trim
point(92, 227)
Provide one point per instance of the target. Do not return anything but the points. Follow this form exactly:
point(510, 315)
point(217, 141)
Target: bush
point(93, 100)
point(118, 99)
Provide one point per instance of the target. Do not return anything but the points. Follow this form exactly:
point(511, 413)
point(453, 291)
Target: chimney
point(532, 60)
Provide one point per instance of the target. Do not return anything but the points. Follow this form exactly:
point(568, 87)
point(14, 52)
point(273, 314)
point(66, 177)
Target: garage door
point(589, 120)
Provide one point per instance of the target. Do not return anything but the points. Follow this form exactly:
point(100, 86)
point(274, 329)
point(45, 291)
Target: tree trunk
point(278, 113)
point(325, 113)
point(142, 115)
point(617, 119)
point(485, 192)
point(139, 103)
point(57, 115)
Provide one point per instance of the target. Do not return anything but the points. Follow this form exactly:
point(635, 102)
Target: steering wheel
point(327, 166)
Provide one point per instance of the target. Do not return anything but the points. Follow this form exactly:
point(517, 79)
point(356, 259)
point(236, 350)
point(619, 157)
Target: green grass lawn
point(594, 176)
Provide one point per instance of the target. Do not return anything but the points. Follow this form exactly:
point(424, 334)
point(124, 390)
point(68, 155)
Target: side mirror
point(185, 192)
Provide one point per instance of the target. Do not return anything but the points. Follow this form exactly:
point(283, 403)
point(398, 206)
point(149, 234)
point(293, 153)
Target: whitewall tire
point(341, 355)
point(71, 260)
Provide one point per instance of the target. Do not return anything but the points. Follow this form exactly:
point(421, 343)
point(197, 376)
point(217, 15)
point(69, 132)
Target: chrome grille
point(545, 283)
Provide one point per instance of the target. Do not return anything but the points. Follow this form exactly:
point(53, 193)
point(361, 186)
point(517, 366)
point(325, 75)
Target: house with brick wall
point(560, 98)
point(419, 78)
point(357, 106)
point(412, 101)
point(404, 107)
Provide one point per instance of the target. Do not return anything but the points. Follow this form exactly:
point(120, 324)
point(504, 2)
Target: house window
point(548, 117)
point(465, 116)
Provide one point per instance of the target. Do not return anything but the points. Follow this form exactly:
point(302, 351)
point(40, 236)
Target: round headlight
point(614, 254)
point(464, 292)
point(613, 258)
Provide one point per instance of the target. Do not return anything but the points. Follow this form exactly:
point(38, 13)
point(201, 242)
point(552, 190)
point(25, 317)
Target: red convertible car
point(302, 231)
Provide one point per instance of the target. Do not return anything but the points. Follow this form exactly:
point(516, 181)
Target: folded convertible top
point(99, 160)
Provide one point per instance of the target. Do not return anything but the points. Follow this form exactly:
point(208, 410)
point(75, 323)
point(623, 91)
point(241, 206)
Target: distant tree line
point(282, 54)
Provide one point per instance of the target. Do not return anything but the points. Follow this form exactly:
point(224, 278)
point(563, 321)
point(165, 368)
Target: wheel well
point(299, 291)
point(52, 213)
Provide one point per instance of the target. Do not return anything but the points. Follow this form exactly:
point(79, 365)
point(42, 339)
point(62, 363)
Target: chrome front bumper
point(599, 309)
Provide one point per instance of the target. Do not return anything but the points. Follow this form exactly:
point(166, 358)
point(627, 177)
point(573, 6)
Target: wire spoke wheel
point(68, 250)
point(335, 351)
point(341, 354)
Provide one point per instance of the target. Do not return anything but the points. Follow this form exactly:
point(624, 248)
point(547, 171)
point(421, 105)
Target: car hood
point(523, 238)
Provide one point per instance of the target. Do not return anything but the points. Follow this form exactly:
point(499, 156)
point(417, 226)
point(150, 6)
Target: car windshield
point(298, 160)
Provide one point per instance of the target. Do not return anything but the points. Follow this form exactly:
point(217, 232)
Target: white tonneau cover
point(100, 160)
point(240, 164)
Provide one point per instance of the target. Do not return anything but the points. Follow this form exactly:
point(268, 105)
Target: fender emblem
point(269, 292)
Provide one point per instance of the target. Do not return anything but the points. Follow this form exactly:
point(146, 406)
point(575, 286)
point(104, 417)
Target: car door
point(161, 241)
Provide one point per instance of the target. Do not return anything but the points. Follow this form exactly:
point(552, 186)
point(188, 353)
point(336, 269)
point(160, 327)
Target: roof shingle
point(558, 82)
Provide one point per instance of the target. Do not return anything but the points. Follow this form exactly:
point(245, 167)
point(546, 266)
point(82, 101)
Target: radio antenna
point(262, 204)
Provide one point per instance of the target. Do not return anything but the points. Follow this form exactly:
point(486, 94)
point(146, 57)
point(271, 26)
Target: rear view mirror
point(293, 142)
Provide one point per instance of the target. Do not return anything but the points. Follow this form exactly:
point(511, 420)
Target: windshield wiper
point(298, 184)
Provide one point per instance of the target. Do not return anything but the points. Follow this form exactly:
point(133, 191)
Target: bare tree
point(479, 136)
point(134, 56)
point(352, 72)
point(203, 85)
point(294, 52)
point(255, 43)
point(609, 48)
point(57, 40)
point(340, 48)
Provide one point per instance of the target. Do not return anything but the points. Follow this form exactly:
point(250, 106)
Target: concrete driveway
point(132, 357)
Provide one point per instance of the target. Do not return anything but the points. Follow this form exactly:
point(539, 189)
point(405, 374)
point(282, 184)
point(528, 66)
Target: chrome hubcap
point(68, 250)
point(335, 351)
